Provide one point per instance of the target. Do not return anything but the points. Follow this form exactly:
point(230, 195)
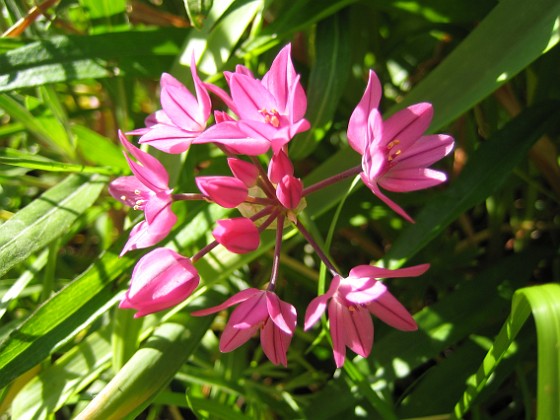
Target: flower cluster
point(265, 114)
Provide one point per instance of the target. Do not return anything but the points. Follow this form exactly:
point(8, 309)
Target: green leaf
point(486, 171)
point(214, 45)
point(542, 302)
point(198, 10)
point(46, 218)
point(63, 58)
point(49, 390)
point(24, 160)
point(99, 149)
point(326, 82)
point(150, 369)
point(485, 60)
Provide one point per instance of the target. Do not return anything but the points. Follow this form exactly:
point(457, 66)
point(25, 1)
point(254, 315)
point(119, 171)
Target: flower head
point(182, 118)
point(146, 190)
point(161, 279)
point(258, 309)
point(396, 153)
point(351, 300)
point(270, 110)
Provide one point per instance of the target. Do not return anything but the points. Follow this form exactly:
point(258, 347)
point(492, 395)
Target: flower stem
point(266, 185)
point(188, 196)
point(276, 258)
point(204, 251)
point(317, 248)
point(332, 180)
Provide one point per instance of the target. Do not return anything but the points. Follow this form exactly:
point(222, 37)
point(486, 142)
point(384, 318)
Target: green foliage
point(83, 69)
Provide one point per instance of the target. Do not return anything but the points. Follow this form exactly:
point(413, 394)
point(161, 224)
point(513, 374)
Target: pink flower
point(238, 235)
point(271, 109)
point(258, 309)
point(246, 172)
point(350, 302)
point(289, 191)
point(161, 279)
point(182, 117)
point(396, 154)
point(147, 190)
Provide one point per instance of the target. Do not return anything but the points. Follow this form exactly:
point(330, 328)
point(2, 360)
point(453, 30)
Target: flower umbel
point(265, 114)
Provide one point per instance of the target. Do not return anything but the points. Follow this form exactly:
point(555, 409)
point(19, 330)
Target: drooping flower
point(182, 117)
point(147, 190)
point(396, 153)
point(351, 300)
point(238, 234)
point(258, 309)
point(161, 279)
point(271, 109)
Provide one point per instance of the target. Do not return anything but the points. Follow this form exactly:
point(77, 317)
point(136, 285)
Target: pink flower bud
point(243, 170)
point(161, 279)
point(238, 235)
point(279, 166)
point(289, 191)
point(226, 191)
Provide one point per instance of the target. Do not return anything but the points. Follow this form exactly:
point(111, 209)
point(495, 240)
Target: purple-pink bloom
point(161, 279)
point(226, 191)
point(396, 153)
point(238, 234)
point(147, 190)
point(350, 301)
point(258, 309)
point(271, 109)
point(289, 191)
point(182, 117)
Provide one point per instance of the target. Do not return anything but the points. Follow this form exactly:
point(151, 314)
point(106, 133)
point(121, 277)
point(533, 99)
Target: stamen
point(137, 192)
point(123, 197)
point(270, 117)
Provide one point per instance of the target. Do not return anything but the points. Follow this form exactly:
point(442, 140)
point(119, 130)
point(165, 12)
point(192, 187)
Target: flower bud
point(289, 191)
point(161, 279)
point(238, 235)
point(226, 191)
point(244, 171)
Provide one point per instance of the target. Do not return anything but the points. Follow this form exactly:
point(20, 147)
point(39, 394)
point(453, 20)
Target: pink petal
point(125, 190)
point(203, 99)
point(146, 234)
point(168, 138)
point(394, 206)
point(279, 166)
point(238, 235)
point(226, 191)
point(230, 135)
point(282, 314)
point(358, 329)
point(250, 97)
point(317, 306)
point(232, 338)
point(275, 343)
point(251, 312)
point(336, 321)
point(412, 179)
point(220, 93)
point(315, 310)
point(280, 77)
point(407, 125)
point(388, 309)
point(384, 273)
point(358, 123)
point(425, 151)
point(244, 171)
point(289, 191)
point(363, 290)
point(179, 104)
point(234, 300)
point(150, 171)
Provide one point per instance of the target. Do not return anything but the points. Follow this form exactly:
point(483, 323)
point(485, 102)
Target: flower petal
point(238, 235)
point(232, 337)
point(336, 321)
point(282, 314)
point(358, 123)
point(358, 329)
point(411, 179)
point(226, 191)
point(385, 273)
point(407, 125)
point(234, 300)
point(394, 206)
point(275, 343)
point(388, 309)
